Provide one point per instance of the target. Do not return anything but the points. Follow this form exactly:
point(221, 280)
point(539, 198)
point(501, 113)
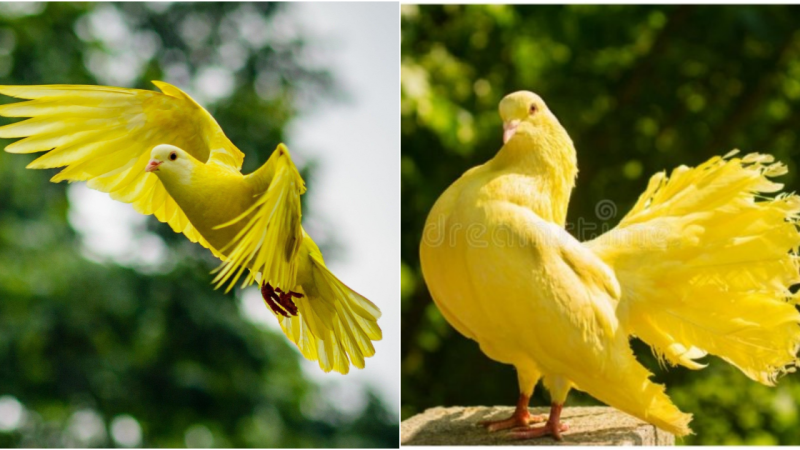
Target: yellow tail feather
point(705, 261)
point(335, 325)
point(626, 385)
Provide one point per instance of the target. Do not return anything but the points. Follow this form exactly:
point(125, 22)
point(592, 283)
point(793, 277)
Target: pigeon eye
point(173, 156)
point(533, 108)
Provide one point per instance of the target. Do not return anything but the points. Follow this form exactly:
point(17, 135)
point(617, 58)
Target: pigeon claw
point(517, 420)
point(521, 417)
point(279, 301)
point(549, 428)
point(285, 300)
point(553, 427)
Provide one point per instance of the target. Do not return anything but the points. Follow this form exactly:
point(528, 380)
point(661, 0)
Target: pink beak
point(152, 166)
point(509, 128)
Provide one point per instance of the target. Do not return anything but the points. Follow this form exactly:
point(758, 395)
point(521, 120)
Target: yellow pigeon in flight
point(164, 154)
point(702, 264)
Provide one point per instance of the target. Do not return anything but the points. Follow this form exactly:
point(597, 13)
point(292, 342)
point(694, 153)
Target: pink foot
point(521, 417)
point(515, 421)
point(535, 432)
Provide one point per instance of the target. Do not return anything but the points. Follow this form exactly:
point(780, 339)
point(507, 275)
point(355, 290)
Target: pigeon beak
point(152, 166)
point(509, 128)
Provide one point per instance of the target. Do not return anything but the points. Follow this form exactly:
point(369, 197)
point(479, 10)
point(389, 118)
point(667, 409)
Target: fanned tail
point(335, 325)
point(705, 261)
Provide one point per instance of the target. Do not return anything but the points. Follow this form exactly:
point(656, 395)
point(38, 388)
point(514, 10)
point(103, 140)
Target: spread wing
point(270, 232)
point(103, 135)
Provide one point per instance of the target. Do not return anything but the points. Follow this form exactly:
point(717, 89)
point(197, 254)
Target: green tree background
point(640, 89)
point(92, 353)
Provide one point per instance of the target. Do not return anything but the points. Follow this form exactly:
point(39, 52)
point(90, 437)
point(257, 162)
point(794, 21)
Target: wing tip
point(170, 90)
point(15, 91)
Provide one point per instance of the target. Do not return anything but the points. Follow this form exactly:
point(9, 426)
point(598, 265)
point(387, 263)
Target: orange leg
point(552, 427)
point(521, 417)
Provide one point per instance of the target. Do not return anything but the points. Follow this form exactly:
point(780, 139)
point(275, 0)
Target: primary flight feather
point(702, 264)
point(164, 154)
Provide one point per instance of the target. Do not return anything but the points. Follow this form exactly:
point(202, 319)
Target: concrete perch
point(593, 425)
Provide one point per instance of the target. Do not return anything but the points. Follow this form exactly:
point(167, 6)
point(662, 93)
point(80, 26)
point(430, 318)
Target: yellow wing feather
point(268, 242)
point(104, 135)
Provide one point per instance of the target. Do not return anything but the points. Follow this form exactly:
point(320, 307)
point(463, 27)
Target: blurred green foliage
point(640, 89)
point(86, 347)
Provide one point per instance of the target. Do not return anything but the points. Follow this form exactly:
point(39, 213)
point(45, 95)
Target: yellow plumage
point(108, 136)
point(706, 261)
point(701, 264)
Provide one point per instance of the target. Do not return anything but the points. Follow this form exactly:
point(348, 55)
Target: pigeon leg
point(552, 427)
point(270, 296)
point(285, 300)
point(521, 417)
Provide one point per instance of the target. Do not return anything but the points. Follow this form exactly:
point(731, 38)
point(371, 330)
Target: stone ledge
point(593, 425)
